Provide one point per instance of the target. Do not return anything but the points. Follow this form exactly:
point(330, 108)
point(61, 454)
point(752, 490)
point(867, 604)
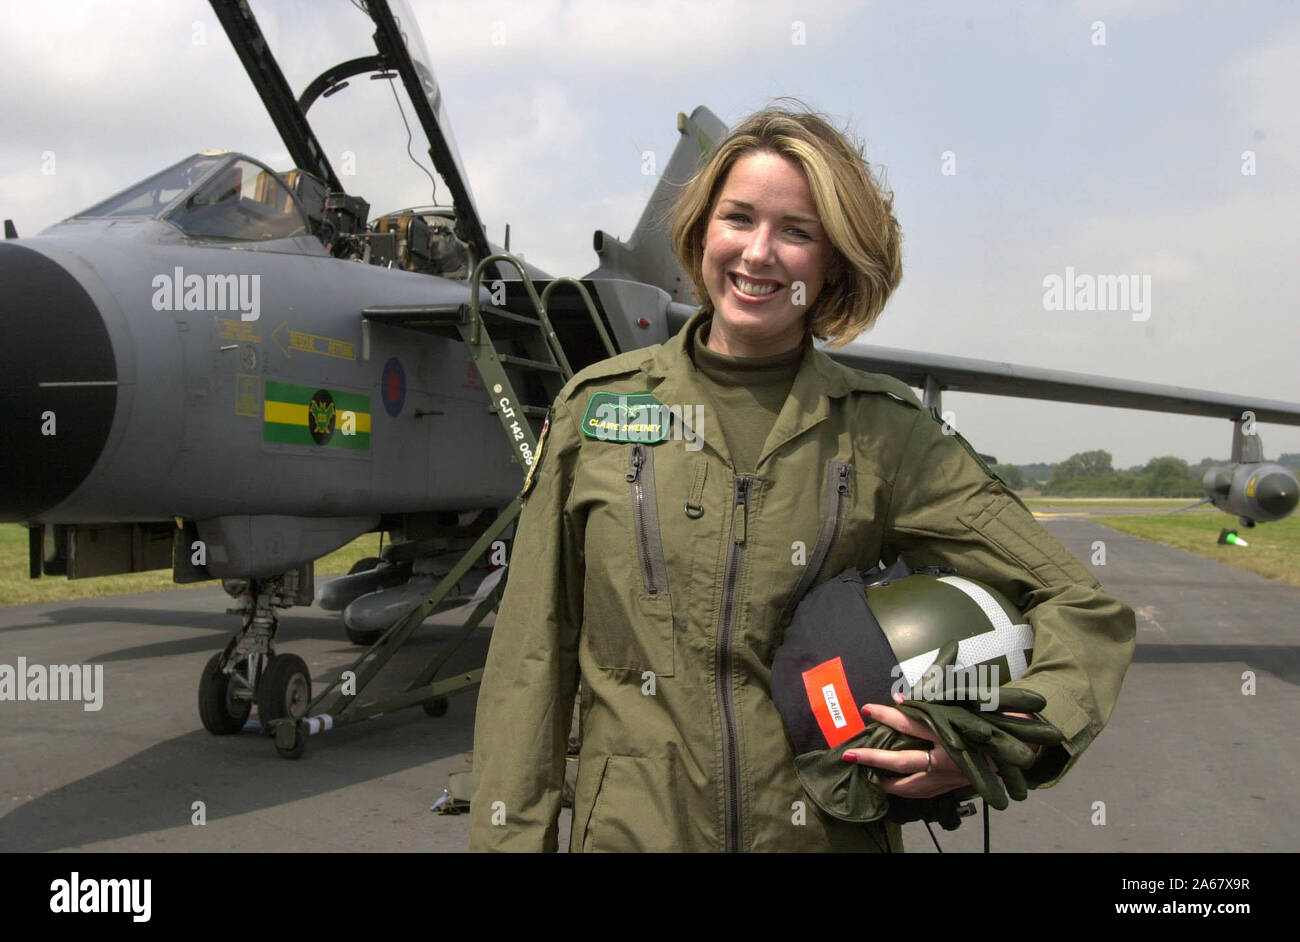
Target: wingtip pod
point(1277, 493)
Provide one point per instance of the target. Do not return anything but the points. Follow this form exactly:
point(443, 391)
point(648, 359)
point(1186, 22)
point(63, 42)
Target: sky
point(1157, 139)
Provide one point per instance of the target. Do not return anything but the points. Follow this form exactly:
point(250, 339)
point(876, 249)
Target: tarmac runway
point(1188, 763)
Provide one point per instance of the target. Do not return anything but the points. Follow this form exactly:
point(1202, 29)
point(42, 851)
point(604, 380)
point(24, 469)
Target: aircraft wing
point(932, 371)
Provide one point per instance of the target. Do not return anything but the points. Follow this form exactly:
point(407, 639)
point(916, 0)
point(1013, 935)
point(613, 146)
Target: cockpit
point(223, 197)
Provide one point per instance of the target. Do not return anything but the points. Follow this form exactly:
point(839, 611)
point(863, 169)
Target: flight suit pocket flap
point(634, 807)
point(631, 631)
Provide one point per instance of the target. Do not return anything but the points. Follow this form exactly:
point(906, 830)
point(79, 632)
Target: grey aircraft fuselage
point(128, 409)
point(189, 425)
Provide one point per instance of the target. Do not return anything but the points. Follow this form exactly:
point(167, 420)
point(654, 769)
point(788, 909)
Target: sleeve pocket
point(1010, 527)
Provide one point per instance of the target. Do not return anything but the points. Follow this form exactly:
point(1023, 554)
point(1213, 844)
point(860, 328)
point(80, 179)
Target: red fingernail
point(866, 710)
point(850, 757)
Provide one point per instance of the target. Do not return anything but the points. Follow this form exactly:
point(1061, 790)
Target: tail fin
point(647, 256)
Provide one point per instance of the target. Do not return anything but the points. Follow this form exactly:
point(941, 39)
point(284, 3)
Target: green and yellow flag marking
point(301, 415)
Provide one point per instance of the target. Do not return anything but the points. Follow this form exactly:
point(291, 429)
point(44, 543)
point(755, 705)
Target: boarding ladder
point(479, 326)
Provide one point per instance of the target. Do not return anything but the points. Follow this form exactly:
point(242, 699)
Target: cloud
point(1262, 85)
point(621, 40)
point(1134, 9)
point(531, 165)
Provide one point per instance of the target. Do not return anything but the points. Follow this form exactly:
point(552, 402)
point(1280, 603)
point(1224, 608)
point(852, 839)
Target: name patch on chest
point(625, 417)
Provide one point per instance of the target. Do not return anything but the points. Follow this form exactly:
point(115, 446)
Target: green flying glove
point(846, 790)
point(944, 809)
point(969, 734)
point(853, 792)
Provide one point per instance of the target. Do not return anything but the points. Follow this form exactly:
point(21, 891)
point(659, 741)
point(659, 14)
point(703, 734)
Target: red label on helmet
point(832, 702)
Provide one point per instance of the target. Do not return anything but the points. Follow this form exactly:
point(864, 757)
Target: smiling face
point(763, 241)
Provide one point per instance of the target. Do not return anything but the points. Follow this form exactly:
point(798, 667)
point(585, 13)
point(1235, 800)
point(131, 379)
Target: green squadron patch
point(531, 477)
point(326, 418)
point(625, 417)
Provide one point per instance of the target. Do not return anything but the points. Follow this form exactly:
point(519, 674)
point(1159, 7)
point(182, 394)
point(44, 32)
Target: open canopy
point(227, 197)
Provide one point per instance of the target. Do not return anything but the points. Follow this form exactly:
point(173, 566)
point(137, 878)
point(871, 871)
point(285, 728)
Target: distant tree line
point(1092, 474)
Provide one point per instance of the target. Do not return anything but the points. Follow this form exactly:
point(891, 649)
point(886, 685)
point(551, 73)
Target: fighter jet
point(232, 371)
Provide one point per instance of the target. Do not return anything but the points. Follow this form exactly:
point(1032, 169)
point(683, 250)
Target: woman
point(662, 568)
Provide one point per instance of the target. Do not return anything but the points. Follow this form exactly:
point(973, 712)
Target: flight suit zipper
point(731, 755)
point(645, 509)
point(835, 496)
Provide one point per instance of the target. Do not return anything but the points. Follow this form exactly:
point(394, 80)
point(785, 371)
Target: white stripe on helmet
point(1005, 640)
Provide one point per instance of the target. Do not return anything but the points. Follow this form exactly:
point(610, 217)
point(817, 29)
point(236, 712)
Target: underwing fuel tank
point(377, 610)
point(337, 594)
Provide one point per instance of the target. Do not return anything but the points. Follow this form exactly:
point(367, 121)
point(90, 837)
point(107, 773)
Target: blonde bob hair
point(856, 212)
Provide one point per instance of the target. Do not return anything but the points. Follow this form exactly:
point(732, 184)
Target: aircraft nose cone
point(58, 383)
point(1277, 493)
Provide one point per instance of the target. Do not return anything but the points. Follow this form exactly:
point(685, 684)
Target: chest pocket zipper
point(645, 512)
point(835, 499)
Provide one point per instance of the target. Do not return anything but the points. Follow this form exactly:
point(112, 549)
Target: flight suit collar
point(677, 382)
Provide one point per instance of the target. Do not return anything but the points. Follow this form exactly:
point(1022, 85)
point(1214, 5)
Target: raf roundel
point(393, 387)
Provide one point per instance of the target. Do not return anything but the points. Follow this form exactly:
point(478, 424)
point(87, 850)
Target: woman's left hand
point(925, 773)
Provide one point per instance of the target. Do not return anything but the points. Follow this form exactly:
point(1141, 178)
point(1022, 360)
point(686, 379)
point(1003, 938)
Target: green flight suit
point(666, 581)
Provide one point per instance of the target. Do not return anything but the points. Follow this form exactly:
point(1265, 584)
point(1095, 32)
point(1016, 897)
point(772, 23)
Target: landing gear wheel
point(364, 565)
point(296, 749)
point(284, 690)
point(363, 638)
point(436, 706)
point(221, 711)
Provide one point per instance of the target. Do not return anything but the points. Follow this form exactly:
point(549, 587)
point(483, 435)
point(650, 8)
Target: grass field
point(1274, 551)
point(17, 589)
point(1116, 503)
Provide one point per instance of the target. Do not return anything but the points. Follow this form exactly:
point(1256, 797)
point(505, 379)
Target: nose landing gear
point(248, 671)
point(225, 699)
point(284, 690)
